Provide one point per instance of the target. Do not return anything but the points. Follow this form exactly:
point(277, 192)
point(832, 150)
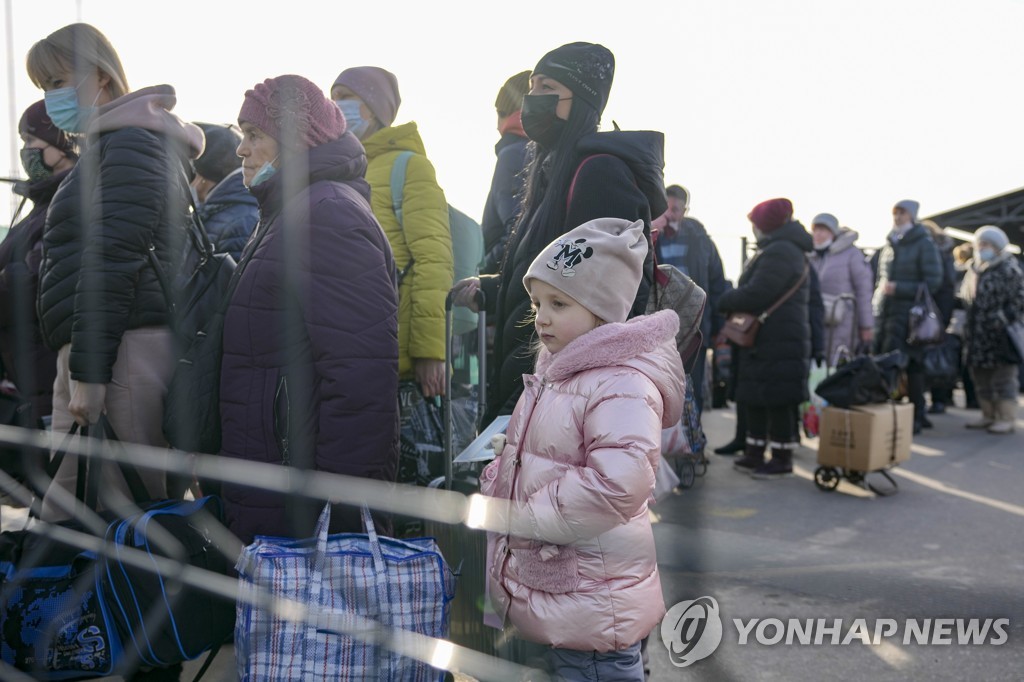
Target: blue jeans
point(569, 665)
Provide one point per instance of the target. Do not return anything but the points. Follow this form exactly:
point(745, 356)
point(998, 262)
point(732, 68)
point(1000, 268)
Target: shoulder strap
point(575, 176)
point(785, 297)
point(398, 170)
point(196, 232)
point(398, 183)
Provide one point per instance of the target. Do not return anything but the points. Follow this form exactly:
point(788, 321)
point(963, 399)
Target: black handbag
point(925, 323)
point(18, 461)
point(191, 420)
point(941, 361)
point(200, 286)
point(864, 380)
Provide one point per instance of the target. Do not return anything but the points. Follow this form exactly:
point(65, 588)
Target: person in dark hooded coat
point(310, 365)
point(773, 378)
point(575, 175)
point(48, 155)
point(228, 210)
point(908, 261)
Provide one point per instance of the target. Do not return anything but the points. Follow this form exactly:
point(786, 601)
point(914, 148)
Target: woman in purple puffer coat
point(310, 367)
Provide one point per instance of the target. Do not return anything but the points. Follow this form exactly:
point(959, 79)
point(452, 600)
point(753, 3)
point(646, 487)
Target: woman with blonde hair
point(100, 303)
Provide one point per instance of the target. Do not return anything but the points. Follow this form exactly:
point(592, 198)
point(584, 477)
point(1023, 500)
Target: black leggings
point(775, 424)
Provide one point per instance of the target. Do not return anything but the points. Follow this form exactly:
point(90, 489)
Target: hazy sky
point(842, 106)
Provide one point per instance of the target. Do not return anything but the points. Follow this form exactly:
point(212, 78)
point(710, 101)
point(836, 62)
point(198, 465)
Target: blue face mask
point(356, 124)
point(64, 110)
point(986, 254)
point(265, 172)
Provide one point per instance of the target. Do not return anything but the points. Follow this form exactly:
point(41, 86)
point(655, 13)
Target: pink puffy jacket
point(582, 447)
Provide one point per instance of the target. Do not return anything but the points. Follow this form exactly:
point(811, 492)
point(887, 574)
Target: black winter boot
point(731, 448)
point(753, 456)
point(779, 466)
point(739, 441)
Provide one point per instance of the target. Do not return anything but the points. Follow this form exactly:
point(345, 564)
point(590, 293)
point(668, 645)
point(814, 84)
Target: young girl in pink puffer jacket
point(576, 567)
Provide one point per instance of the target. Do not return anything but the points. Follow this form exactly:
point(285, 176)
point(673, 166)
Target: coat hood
point(149, 109)
point(793, 231)
point(646, 344)
point(341, 160)
point(844, 240)
point(230, 190)
point(405, 137)
point(644, 153)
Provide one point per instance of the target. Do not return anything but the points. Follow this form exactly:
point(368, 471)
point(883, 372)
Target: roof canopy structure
point(1005, 211)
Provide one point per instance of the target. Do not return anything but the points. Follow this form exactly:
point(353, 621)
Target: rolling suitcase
point(465, 548)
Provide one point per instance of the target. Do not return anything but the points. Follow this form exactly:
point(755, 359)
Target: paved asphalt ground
point(948, 545)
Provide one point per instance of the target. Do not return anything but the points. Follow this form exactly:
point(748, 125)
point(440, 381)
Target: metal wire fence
point(460, 519)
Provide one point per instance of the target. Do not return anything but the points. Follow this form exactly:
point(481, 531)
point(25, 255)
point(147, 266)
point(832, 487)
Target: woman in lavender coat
point(846, 286)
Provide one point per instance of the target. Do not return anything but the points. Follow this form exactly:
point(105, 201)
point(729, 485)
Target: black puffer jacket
point(27, 362)
point(774, 371)
point(908, 262)
point(623, 179)
point(127, 191)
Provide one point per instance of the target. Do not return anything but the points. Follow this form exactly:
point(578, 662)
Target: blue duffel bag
point(52, 619)
point(65, 613)
point(164, 620)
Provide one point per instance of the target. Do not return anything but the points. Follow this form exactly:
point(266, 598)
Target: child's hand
point(498, 441)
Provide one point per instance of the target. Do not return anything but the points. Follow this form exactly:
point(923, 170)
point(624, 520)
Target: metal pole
point(14, 163)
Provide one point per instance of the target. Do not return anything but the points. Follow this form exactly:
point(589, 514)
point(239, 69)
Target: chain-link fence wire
point(466, 517)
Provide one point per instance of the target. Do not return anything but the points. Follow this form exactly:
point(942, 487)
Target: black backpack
point(196, 299)
point(201, 284)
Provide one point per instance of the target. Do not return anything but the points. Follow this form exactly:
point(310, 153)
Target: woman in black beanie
point(574, 174)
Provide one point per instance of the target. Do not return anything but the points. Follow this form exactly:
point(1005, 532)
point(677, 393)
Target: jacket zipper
point(282, 418)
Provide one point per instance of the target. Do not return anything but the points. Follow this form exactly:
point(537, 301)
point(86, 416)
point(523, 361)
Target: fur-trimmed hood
point(646, 344)
point(844, 240)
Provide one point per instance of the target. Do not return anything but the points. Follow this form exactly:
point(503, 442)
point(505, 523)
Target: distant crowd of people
point(853, 304)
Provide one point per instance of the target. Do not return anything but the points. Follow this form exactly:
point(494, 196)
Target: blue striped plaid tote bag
point(336, 597)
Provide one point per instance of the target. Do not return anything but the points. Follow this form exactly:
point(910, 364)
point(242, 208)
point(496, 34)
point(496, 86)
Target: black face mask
point(539, 119)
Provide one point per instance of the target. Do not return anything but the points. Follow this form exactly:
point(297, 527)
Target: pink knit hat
point(600, 264)
point(292, 109)
point(377, 88)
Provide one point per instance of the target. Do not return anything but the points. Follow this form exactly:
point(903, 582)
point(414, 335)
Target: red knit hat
point(291, 108)
point(770, 215)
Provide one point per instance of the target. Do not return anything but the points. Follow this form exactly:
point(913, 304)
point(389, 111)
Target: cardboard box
point(867, 437)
